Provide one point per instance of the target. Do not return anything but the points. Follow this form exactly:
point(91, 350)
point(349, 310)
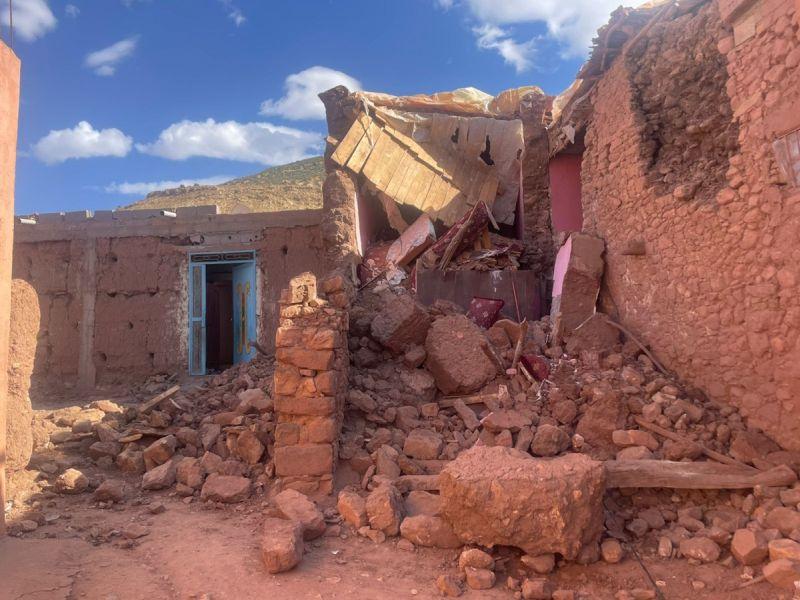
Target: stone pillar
point(9, 111)
point(311, 378)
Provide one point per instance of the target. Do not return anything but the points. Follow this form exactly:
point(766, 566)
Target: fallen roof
point(440, 154)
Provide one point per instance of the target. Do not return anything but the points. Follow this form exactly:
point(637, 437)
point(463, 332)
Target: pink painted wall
point(565, 192)
point(560, 268)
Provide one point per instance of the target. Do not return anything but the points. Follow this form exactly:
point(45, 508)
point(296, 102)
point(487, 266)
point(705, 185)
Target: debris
point(479, 579)
point(564, 494)
point(281, 544)
point(71, 481)
point(454, 356)
point(295, 506)
point(225, 488)
point(429, 531)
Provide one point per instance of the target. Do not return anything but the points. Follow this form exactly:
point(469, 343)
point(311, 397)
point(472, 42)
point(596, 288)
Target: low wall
point(113, 287)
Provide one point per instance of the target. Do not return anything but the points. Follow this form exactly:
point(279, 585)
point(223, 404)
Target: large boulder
point(455, 355)
point(23, 332)
point(501, 496)
point(401, 324)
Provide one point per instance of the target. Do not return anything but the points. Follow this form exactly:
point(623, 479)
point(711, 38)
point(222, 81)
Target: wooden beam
point(691, 475)
point(157, 399)
point(671, 435)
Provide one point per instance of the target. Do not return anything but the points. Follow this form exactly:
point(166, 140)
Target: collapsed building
point(512, 308)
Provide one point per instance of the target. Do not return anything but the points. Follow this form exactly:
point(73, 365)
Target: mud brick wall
point(538, 234)
point(716, 292)
point(9, 110)
point(114, 293)
point(311, 374)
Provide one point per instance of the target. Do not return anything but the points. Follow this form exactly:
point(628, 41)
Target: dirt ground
point(199, 552)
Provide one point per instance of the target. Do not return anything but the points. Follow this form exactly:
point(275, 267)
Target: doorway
point(222, 315)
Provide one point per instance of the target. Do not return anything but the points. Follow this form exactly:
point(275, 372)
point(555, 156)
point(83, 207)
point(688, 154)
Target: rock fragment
point(297, 507)
point(281, 544)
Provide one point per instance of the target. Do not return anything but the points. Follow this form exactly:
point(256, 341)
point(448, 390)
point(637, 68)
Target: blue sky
point(121, 96)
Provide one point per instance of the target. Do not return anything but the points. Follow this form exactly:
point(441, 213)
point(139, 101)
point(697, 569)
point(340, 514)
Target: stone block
point(304, 459)
point(454, 356)
point(321, 406)
point(501, 496)
point(302, 358)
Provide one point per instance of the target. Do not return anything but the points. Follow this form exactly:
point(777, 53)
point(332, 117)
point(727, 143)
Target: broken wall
point(114, 293)
point(715, 293)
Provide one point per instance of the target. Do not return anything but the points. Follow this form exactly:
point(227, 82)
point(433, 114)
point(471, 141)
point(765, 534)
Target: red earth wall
point(695, 178)
point(9, 110)
point(133, 291)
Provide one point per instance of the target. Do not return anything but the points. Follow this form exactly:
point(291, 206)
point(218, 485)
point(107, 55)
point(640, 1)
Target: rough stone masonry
point(311, 374)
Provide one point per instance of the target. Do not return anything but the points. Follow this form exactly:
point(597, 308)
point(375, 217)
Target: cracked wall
point(716, 292)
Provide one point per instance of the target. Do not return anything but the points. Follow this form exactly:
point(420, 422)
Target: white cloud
point(262, 143)
point(72, 11)
point(234, 13)
point(32, 18)
point(445, 4)
point(300, 100)
point(492, 37)
point(104, 62)
point(142, 188)
point(82, 141)
point(572, 23)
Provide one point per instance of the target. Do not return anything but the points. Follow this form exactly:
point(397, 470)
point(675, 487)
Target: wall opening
point(222, 315)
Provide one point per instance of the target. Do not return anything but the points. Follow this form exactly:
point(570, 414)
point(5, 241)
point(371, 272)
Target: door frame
point(199, 261)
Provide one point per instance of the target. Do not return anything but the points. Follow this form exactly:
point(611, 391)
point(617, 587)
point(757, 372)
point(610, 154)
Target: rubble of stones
point(212, 441)
point(434, 420)
point(424, 391)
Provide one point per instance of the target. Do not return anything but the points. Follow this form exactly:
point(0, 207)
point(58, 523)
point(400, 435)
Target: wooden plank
point(488, 399)
point(679, 438)
point(390, 163)
point(416, 192)
point(376, 158)
point(157, 399)
point(364, 148)
point(399, 175)
point(345, 148)
point(691, 475)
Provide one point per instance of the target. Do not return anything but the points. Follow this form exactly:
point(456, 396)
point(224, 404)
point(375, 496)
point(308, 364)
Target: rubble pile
point(428, 386)
point(214, 441)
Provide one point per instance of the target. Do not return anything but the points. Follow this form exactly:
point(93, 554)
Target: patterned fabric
point(484, 311)
point(538, 366)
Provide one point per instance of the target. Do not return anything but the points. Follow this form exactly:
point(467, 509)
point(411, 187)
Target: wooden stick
point(489, 351)
point(642, 347)
point(523, 331)
point(679, 438)
point(691, 475)
point(447, 401)
point(157, 399)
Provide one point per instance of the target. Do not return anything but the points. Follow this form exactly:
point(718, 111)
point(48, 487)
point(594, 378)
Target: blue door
point(244, 311)
point(197, 319)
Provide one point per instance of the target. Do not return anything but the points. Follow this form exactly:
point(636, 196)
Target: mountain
point(296, 186)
